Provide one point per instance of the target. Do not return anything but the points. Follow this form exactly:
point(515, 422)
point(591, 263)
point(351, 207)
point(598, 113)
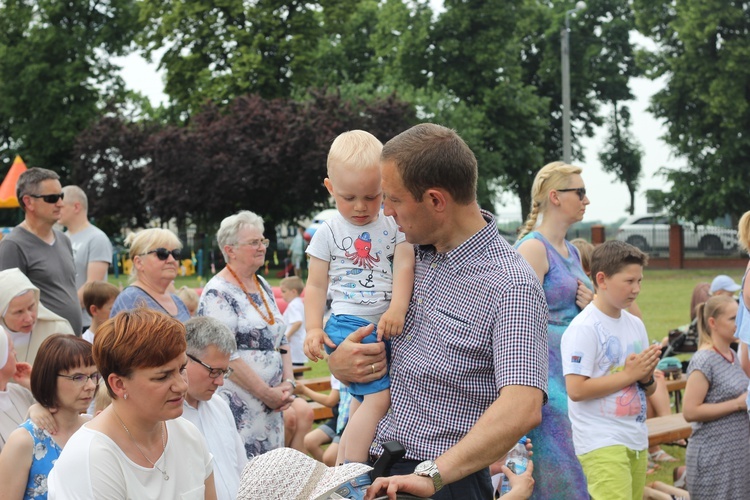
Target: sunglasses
point(581, 192)
point(163, 254)
point(213, 372)
point(49, 198)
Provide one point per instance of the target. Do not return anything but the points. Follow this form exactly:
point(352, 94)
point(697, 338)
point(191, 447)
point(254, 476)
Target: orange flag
point(8, 187)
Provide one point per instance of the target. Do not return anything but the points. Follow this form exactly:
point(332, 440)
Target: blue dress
point(557, 471)
point(133, 297)
point(46, 453)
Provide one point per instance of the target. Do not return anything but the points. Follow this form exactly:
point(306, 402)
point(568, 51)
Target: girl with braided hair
point(558, 198)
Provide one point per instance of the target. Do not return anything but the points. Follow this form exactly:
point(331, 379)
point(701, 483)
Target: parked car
point(651, 232)
point(318, 221)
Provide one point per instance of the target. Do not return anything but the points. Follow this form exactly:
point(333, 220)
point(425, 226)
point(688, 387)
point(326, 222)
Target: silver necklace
point(163, 445)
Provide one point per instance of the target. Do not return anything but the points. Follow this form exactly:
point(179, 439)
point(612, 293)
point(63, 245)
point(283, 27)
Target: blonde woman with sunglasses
point(558, 200)
point(155, 254)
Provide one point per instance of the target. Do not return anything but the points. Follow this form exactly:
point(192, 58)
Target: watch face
point(424, 468)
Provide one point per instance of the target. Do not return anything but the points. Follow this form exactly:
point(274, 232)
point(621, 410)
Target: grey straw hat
point(287, 474)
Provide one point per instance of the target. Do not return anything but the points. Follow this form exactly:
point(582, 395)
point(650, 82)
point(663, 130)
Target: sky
point(609, 197)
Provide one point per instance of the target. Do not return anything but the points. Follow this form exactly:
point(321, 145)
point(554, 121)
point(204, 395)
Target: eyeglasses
point(81, 379)
point(255, 243)
point(49, 198)
point(213, 372)
point(163, 253)
point(581, 192)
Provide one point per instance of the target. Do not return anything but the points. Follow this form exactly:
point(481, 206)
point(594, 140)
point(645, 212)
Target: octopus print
point(361, 255)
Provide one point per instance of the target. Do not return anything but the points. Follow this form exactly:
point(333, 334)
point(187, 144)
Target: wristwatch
point(428, 468)
point(291, 381)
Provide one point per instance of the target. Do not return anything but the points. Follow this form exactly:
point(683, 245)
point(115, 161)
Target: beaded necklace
point(270, 319)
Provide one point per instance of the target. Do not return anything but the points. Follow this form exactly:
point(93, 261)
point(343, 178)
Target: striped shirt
point(477, 322)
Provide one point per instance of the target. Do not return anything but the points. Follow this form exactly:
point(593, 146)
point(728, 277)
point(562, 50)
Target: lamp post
point(565, 46)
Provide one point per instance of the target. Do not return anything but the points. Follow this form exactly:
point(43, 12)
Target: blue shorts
point(338, 328)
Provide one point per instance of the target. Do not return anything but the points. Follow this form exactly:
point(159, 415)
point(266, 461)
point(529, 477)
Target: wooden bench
point(317, 384)
point(320, 412)
point(676, 386)
point(667, 429)
point(299, 370)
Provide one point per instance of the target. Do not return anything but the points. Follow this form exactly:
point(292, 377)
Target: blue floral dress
point(46, 453)
point(557, 471)
point(261, 428)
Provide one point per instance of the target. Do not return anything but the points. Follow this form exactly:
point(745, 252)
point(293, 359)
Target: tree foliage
point(703, 53)
point(622, 155)
point(56, 73)
point(264, 155)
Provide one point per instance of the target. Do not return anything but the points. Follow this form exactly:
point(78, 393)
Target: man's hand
point(353, 361)
point(416, 485)
point(521, 485)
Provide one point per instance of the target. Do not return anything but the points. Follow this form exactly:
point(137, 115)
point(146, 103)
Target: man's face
point(67, 211)
point(201, 387)
point(41, 210)
point(413, 217)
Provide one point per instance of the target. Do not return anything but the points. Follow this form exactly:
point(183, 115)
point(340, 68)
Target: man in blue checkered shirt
point(469, 371)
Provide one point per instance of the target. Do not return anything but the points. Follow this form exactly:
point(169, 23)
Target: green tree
point(622, 155)
point(56, 73)
point(702, 53)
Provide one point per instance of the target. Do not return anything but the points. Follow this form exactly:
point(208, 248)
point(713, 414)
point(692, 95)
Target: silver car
point(651, 232)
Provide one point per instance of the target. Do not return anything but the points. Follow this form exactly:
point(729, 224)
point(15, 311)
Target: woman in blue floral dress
point(261, 386)
point(559, 197)
point(64, 377)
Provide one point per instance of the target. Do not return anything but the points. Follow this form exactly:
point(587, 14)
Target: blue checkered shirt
point(477, 322)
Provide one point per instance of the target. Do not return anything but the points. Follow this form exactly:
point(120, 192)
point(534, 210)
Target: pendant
point(166, 476)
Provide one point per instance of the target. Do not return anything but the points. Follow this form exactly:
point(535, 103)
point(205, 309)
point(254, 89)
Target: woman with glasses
point(155, 254)
point(138, 447)
point(24, 317)
point(64, 378)
point(262, 385)
point(558, 198)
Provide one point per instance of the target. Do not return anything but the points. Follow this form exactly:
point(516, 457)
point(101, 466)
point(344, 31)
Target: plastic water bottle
point(517, 461)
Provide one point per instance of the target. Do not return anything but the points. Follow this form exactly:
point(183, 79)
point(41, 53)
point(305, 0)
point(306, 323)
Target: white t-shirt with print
point(360, 262)
point(595, 345)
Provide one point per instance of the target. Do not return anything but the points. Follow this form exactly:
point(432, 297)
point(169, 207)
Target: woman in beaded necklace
point(261, 385)
point(64, 378)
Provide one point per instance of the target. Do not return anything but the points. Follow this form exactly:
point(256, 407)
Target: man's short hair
point(432, 156)
point(74, 193)
point(205, 331)
point(28, 182)
point(612, 256)
point(98, 293)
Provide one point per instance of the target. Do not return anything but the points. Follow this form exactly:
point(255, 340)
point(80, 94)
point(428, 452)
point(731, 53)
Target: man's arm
point(516, 411)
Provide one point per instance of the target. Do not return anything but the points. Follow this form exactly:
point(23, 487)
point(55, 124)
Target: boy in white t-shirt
point(294, 317)
point(98, 298)
point(609, 370)
point(364, 260)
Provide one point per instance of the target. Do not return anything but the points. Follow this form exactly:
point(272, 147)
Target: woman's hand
point(278, 398)
point(23, 375)
point(584, 296)
point(741, 401)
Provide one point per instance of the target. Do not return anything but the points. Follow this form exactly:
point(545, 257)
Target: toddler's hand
point(313, 342)
point(391, 324)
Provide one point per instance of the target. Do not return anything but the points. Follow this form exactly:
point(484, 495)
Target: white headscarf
point(3, 348)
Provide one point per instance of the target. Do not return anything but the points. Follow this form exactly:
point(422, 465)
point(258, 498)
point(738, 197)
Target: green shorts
point(615, 472)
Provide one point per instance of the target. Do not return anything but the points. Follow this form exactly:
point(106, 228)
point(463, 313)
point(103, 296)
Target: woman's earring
point(125, 396)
